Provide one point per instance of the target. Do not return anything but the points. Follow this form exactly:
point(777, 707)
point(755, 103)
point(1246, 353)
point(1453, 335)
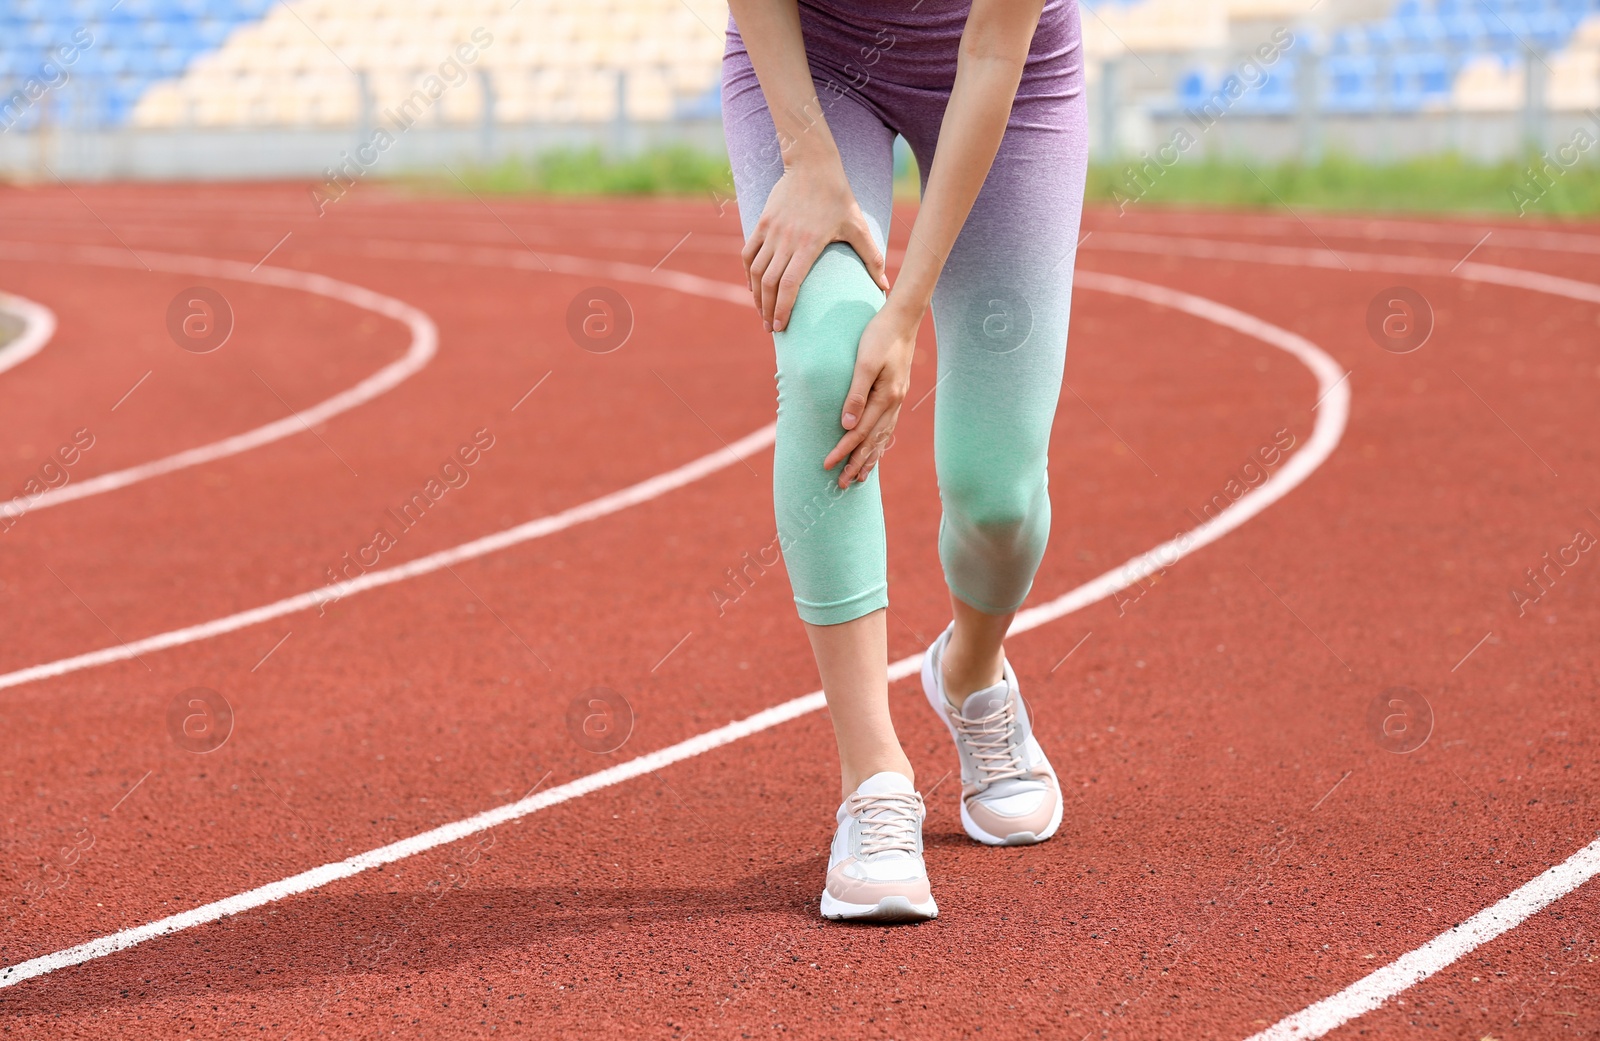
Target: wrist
point(905, 313)
point(811, 147)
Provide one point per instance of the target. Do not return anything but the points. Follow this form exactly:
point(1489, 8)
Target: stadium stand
point(256, 63)
point(1465, 55)
point(163, 63)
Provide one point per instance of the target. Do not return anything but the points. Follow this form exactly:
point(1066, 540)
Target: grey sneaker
point(875, 870)
point(1009, 792)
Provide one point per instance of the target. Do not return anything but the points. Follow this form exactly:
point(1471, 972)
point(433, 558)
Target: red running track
point(1238, 845)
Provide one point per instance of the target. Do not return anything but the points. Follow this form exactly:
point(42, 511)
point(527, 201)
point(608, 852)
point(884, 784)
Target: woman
point(989, 95)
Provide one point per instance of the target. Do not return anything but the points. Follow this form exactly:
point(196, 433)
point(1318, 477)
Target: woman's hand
point(882, 379)
point(809, 207)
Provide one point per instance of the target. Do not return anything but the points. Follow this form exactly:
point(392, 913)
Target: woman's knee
point(985, 496)
point(817, 352)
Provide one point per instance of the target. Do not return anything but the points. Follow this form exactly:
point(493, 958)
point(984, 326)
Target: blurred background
point(1413, 104)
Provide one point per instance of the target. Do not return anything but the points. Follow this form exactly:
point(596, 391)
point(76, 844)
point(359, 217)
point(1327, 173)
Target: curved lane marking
point(533, 529)
point(1331, 417)
point(424, 345)
point(424, 338)
point(1373, 990)
point(38, 325)
point(1304, 256)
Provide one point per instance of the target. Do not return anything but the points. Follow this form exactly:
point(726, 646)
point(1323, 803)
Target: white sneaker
point(1009, 792)
point(875, 872)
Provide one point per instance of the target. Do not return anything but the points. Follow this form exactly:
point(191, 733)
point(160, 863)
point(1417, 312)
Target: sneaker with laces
point(1009, 792)
point(875, 870)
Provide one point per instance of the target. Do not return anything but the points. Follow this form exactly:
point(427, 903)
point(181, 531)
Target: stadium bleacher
point(1465, 55)
point(222, 63)
point(159, 63)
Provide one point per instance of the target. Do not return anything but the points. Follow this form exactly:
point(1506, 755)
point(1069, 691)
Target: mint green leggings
point(1000, 314)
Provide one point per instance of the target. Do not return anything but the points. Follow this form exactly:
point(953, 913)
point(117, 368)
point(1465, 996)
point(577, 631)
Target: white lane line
point(1372, 991)
point(1329, 426)
point(424, 344)
point(539, 527)
point(560, 264)
point(1300, 256)
point(1506, 236)
point(1412, 968)
point(38, 325)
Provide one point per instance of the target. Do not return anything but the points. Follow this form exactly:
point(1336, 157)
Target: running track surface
point(1238, 846)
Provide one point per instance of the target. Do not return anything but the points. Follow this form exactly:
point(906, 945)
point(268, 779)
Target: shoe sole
point(889, 909)
point(930, 693)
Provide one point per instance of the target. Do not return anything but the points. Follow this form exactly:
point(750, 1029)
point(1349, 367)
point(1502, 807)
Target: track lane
point(1354, 782)
point(1333, 403)
point(424, 345)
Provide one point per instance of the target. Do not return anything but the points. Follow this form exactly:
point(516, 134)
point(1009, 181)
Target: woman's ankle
point(850, 777)
point(963, 673)
point(974, 656)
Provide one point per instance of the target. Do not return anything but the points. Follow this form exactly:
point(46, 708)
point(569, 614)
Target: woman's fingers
point(747, 255)
point(855, 402)
point(759, 263)
point(871, 449)
point(860, 238)
point(841, 451)
point(794, 273)
point(782, 260)
point(853, 439)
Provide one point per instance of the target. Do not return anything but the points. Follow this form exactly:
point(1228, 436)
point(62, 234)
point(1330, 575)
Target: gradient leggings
point(1000, 308)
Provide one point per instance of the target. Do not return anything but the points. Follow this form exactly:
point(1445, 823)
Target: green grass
point(673, 170)
point(1440, 184)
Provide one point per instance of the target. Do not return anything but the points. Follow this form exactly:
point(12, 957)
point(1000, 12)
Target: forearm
point(988, 70)
point(771, 33)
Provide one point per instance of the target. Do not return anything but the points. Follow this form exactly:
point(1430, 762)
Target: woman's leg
point(1001, 314)
point(832, 540)
point(852, 658)
point(972, 658)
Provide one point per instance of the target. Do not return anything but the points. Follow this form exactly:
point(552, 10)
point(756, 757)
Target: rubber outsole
point(889, 909)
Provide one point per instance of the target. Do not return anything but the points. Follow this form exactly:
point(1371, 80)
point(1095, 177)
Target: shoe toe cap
point(1030, 810)
point(855, 882)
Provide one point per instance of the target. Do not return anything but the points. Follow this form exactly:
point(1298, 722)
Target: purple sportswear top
point(908, 52)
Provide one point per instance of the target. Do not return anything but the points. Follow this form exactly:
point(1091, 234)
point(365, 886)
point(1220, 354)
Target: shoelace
point(989, 739)
point(888, 822)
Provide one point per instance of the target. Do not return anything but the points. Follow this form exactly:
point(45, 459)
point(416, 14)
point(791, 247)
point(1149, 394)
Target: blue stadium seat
point(136, 43)
point(1419, 80)
point(1351, 83)
point(1421, 31)
point(1464, 30)
point(707, 106)
point(1276, 95)
point(1192, 92)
